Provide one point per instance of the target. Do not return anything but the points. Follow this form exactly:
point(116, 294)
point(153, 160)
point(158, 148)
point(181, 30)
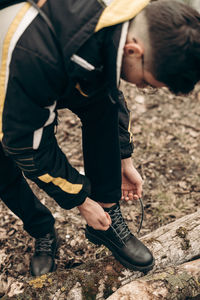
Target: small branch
point(187, 126)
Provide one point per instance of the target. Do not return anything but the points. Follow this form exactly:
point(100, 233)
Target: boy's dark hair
point(174, 30)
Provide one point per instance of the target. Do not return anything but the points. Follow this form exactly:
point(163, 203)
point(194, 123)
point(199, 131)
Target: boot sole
point(53, 269)
point(98, 241)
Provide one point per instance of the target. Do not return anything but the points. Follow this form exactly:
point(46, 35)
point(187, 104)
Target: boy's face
point(133, 66)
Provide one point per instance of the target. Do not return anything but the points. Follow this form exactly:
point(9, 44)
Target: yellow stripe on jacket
point(63, 184)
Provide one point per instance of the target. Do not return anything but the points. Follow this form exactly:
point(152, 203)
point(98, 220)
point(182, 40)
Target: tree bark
point(177, 283)
point(177, 242)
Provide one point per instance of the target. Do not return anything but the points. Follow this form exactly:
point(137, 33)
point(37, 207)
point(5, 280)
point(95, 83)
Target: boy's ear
point(133, 49)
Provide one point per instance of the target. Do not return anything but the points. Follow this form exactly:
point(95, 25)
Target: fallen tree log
point(172, 245)
point(182, 282)
point(177, 242)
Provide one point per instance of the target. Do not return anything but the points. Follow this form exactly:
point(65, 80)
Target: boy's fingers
point(125, 194)
point(139, 191)
point(105, 222)
point(108, 217)
point(131, 196)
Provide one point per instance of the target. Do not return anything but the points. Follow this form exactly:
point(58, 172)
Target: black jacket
point(46, 72)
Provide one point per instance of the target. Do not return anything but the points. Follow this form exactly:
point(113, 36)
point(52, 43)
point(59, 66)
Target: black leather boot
point(42, 261)
point(126, 248)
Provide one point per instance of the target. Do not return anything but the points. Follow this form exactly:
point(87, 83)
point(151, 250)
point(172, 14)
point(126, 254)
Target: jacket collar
point(120, 50)
point(119, 11)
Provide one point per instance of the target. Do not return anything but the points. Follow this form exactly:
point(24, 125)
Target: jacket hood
point(120, 11)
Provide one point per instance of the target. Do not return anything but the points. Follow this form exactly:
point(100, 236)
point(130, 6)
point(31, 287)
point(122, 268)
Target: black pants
point(101, 161)
point(17, 195)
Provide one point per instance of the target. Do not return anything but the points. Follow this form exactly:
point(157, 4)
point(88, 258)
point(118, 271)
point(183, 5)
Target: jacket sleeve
point(29, 121)
point(125, 135)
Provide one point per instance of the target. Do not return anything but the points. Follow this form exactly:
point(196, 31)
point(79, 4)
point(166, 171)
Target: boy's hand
point(131, 181)
point(94, 215)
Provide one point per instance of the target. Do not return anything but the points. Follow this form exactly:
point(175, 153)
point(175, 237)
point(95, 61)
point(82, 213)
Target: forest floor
point(166, 132)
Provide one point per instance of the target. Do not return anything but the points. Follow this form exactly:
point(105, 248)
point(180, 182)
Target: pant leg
point(101, 149)
point(19, 198)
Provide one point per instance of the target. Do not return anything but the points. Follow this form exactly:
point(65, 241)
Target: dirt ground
point(166, 132)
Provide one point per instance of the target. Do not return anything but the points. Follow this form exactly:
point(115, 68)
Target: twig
point(188, 126)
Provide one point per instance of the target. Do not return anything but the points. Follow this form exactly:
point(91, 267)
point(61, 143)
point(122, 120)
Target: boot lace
point(43, 244)
point(118, 225)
